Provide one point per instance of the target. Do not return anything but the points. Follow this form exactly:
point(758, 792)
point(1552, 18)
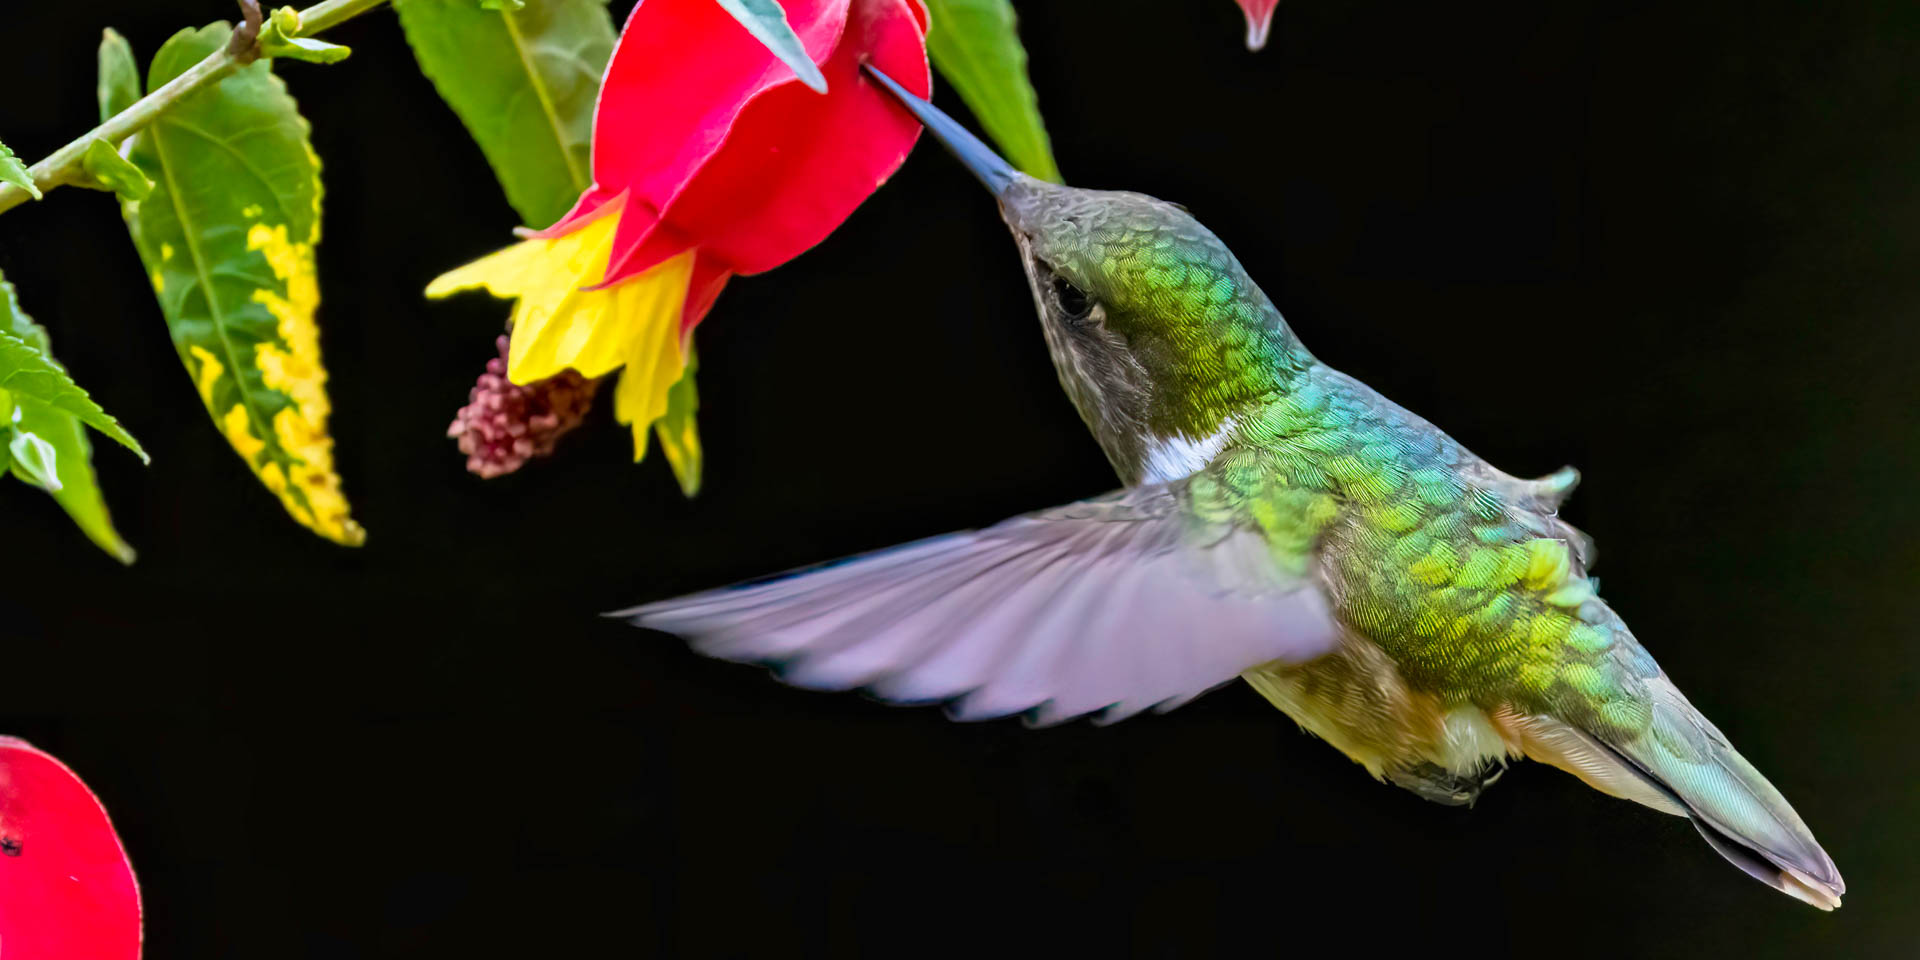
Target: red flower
point(721, 148)
point(710, 158)
point(66, 888)
point(1259, 20)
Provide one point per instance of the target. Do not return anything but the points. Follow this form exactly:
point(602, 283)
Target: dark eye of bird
point(1073, 301)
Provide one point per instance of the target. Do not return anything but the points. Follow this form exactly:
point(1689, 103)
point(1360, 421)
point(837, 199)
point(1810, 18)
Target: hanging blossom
point(66, 887)
point(710, 159)
point(1259, 20)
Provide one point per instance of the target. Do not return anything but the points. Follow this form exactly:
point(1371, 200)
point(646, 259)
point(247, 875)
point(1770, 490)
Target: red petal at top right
point(1259, 21)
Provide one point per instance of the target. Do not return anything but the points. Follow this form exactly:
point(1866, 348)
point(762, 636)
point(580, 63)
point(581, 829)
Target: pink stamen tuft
point(503, 425)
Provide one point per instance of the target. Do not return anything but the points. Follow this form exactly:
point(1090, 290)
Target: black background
point(1671, 243)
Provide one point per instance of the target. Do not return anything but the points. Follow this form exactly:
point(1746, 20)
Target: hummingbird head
point(1157, 333)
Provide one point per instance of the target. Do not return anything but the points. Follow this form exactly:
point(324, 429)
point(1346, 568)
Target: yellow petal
point(557, 322)
point(654, 364)
point(593, 331)
point(500, 273)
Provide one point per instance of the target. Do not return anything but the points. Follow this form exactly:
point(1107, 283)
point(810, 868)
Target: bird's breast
point(1358, 700)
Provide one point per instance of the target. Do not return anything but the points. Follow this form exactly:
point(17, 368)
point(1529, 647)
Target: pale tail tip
point(1801, 887)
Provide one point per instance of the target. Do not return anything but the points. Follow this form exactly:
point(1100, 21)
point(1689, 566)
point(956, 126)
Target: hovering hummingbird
point(1422, 611)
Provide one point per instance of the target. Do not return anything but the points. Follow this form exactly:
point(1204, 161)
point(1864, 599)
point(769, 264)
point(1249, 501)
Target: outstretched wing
point(1115, 604)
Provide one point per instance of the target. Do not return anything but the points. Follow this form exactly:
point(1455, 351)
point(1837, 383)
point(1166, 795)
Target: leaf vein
point(214, 309)
point(581, 180)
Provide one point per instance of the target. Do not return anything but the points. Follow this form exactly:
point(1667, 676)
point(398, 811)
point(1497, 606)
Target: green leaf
point(119, 83)
point(509, 5)
point(78, 490)
point(28, 373)
point(976, 45)
point(111, 171)
point(228, 238)
point(524, 83)
point(79, 494)
point(14, 172)
point(768, 24)
point(678, 430)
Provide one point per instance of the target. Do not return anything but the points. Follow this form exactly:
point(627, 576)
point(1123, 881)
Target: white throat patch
point(1176, 457)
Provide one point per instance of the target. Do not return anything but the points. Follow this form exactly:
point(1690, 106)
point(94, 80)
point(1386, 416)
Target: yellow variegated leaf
point(228, 236)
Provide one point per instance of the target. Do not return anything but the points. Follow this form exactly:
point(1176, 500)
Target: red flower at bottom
point(66, 888)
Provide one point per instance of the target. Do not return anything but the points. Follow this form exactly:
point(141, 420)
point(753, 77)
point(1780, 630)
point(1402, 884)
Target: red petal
point(750, 167)
point(925, 19)
point(710, 276)
point(679, 76)
point(797, 163)
point(66, 888)
point(1259, 21)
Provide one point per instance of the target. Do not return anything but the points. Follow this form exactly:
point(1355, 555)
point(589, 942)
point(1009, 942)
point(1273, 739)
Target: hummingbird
point(1424, 612)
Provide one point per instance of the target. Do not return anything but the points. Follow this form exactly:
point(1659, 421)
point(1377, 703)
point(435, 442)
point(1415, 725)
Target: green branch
point(65, 165)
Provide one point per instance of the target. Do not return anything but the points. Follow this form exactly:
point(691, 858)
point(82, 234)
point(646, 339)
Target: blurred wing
point(1116, 604)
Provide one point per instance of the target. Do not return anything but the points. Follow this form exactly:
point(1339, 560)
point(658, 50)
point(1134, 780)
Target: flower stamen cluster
point(504, 425)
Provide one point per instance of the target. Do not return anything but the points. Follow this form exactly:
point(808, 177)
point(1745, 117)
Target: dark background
point(1671, 243)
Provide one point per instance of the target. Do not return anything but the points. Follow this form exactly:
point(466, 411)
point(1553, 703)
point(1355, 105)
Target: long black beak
point(996, 173)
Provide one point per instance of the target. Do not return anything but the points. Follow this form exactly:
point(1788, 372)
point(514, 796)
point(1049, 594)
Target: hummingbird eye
point(1074, 304)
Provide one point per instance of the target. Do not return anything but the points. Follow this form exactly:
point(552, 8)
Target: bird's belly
point(1356, 699)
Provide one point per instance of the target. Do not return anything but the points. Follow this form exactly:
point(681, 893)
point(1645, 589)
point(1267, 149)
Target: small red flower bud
point(1259, 20)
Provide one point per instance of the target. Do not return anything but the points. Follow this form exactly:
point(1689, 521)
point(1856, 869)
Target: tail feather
point(1738, 812)
point(1787, 880)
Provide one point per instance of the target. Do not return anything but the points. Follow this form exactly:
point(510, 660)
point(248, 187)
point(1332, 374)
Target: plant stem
point(63, 164)
point(321, 16)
